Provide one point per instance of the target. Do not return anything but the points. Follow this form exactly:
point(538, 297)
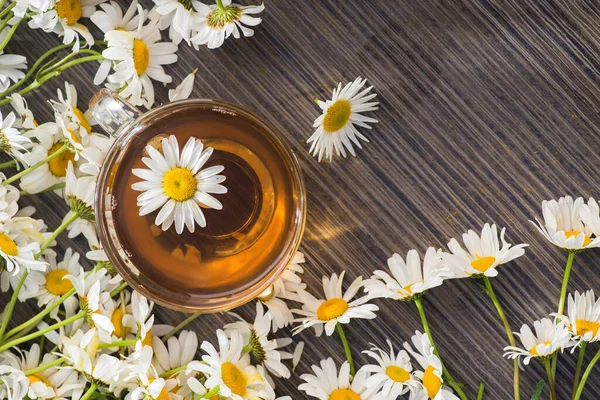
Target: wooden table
point(487, 108)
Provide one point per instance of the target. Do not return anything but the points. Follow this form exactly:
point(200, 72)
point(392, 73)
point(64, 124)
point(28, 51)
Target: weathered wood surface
point(487, 108)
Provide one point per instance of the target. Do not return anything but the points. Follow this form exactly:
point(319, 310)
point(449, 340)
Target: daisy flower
point(335, 308)
point(9, 195)
point(177, 185)
point(218, 22)
point(10, 66)
point(139, 57)
point(99, 368)
point(177, 352)
point(431, 377)
point(110, 17)
point(180, 16)
point(563, 225)
point(266, 351)
point(77, 122)
point(25, 119)
point(12, 141)
point(337, 126)
point(285, 288)
point(15, 384)
point(231, 370)
point(549, 338)
point(15, 254)
point(327, 384)
point(483, 254)
point(63, 18)
point(583, 319)
point(408, 278)
point(590, 215)
point(184, 89)
point(79, 193)
point(392, 375)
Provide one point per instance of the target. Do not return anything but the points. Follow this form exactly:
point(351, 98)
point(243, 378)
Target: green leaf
point(538, 390)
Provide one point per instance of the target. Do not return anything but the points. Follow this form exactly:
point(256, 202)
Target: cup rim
point(219, 303)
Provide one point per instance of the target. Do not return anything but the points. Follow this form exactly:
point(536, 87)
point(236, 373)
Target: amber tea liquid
point(240, 243)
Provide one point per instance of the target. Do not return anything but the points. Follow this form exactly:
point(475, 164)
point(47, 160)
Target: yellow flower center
point(586, 239)
point(431, 382)
point(397, 374)
point(337, 115)
point(407, 288)
point(534, 349)
point(482, 264)
point(344, 394)
point(8, 246)
point(69, 11)
point(147, 339)
point(331, 309)
point(584, 327)
point(141, 56)
point(180, 184)
point(37, 377)
point(233, 378)
point(58, 165)
point(82, 120)
point(55, 283)
point(117, 319)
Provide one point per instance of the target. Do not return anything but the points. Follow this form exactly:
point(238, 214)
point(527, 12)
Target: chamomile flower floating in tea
point(563, 225)
point(337, 126)
point(408, 278)
point(549, 338)
point(177, 185)
point(583, 317)
point(327, 384)
point(483, 254)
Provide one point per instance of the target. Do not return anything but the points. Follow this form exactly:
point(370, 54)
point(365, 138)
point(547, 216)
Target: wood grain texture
point(487, 108)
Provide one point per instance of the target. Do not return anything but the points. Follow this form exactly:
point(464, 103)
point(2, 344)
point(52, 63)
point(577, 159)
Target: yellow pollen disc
point(55, 283)
point(180, 184)
point(82, 120)
point(482, 264)
point(37, 377)
point(397, 374)
point(58, 165)
point(534, 350)
point(141, 56)
point(337, 116)
point(147, 339)
point(344, 394)
point(233, 378)
point(431, 382)
point(586, 239)
point(331, 309)
point(69, 11)
point(584, 327)
point(8, 246)
point(117, 319)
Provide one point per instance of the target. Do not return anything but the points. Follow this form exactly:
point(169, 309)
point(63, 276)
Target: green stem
point(565, 283)
point(509, 333)
point(51, 328)
point(171, 372)
point(57, 232)
point(179, 327)
point(9, 310)
point(7, 10)
point(119, 289)
point(36, 165)
point(7, 164)
point(89, 392)
point(50, 189)
point(550, 379)
point(480, 392)
point(212, 392)
point(347, 350)
point(12, 31)
point(247, 348)
point(121, 343)
point(586, 375)
point(2, 2)
point(45, 366)
point(220, 5)
point(445, 373)
point(578, 369)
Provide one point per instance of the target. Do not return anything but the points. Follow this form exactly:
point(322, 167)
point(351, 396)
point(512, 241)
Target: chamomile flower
point(9, 195)
point(139, 57)
point(10, 66)
point(583, 318)
point(25, 119)
point(563, 225)
point(392, 376)
point(218, 22)
point(22, 6)
point(63, 18)
point(409, 278)
point(110, 17)
point(101, 369)
point(231, 370)
point(177, 352)
point(12, 141)
point(177, 185)
point(15, 384)
point(77, 123)
point(432, 384)
point(590, 215)
point(79, 194)
point(549, 338)
point(327, 384)
point(266, 351)
point(180, 16)
point(184, 89)
point(337, 307)
point(484, 253)
point(337, 126)
point(15, 255)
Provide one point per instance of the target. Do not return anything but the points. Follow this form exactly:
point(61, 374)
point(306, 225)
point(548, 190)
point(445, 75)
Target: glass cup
point(244, 248)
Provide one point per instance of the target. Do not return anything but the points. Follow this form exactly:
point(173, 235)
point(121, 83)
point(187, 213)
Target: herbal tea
point(240, 243)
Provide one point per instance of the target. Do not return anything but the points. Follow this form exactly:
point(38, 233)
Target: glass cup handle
point(111, 111)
